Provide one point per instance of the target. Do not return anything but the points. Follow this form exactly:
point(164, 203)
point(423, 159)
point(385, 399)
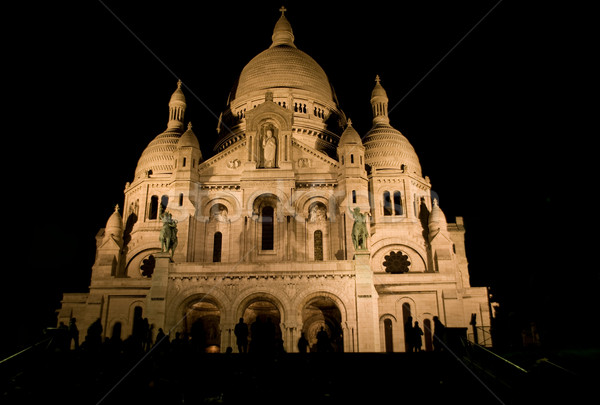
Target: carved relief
point(304, 162)
point(234, 164)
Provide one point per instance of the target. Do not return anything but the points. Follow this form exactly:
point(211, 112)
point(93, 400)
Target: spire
point(177, 107)
point(282, 33)
point(379, 102)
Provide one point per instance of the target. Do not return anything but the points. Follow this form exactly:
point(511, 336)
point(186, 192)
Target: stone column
point(367, 313)
point(156, 300)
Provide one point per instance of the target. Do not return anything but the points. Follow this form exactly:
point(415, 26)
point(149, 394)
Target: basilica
point(296, 220)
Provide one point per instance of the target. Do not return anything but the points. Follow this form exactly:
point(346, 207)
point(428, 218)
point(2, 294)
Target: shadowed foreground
point(188, 377)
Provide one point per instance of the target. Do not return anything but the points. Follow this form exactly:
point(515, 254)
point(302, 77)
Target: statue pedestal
point(156, 301)
point(367, 309)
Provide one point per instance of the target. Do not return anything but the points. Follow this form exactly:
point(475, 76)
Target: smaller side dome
point(114, 225)
point(385, 146)
point(350, 136)
point(188, 139)
point(437, 220)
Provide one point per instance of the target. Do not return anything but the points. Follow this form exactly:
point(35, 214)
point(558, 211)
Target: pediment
point(110, 243)
point(227, 162)
point(306, 158)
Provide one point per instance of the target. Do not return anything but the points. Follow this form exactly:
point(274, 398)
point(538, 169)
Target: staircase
point(166, 376)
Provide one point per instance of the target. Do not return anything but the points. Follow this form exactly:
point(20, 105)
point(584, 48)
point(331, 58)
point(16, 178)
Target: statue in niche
point(359, 230)
point(269, 148)
point(219, 213)
point(318, 213)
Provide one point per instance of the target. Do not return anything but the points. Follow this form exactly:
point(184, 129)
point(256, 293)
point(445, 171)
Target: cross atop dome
point(283, 10)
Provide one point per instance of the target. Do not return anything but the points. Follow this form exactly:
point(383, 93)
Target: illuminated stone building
point(264, 227)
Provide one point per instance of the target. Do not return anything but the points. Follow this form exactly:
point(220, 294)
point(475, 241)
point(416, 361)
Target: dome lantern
point(379, 102)
point(177, 107)
point(282, 33)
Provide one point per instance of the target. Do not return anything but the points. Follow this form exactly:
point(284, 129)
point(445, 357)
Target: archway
point(202, 326)
point(322, 313)
point(263, 319)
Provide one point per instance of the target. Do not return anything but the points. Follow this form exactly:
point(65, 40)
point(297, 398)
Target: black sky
point(488, 93)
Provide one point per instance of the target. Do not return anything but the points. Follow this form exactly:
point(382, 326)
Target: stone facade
point(264, 227)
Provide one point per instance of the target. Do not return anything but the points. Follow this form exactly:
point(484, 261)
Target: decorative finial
point(283, 10)
point(269, 96)
point(377, 79)
point(349, 122)
point(117, 208)
point(179, 83)
point(190, 126)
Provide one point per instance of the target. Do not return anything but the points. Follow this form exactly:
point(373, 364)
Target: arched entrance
point(321, 314)
point(202, 326)
point(263, 319)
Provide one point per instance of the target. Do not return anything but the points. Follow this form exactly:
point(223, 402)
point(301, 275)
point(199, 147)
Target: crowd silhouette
point(263, 336)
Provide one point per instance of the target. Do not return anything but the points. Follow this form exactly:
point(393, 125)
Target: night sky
point(487, 92)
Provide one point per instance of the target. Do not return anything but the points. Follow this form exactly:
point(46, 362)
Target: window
point(408, 324)
point(164, 201)
point(427, 335)
point(180, 199)
point(353, 196)
point(153, 211)
point(351, 158)
point(387, 203)
point(184, 161)
point(217, 245)
point(397, 203)
point(389, 340)
point(318, 238)
point(267, 219)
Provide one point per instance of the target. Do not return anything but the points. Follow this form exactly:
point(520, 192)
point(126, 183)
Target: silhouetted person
point(73, 334)
point(147, 335)
point(93, 339)
point(269, 335)
point(323, 341)
point(198, 332)
point(161, 338)
point(439, 331)
point(302, 344)
point(241, 334)
point(417, 341)
point(256, 332)
point(409, 334)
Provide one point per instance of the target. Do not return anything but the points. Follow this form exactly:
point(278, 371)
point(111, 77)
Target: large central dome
point(296, 82)
point(284, 66)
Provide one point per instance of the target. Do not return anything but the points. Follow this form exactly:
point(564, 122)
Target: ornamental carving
point(147, 266)
point(396, 263)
